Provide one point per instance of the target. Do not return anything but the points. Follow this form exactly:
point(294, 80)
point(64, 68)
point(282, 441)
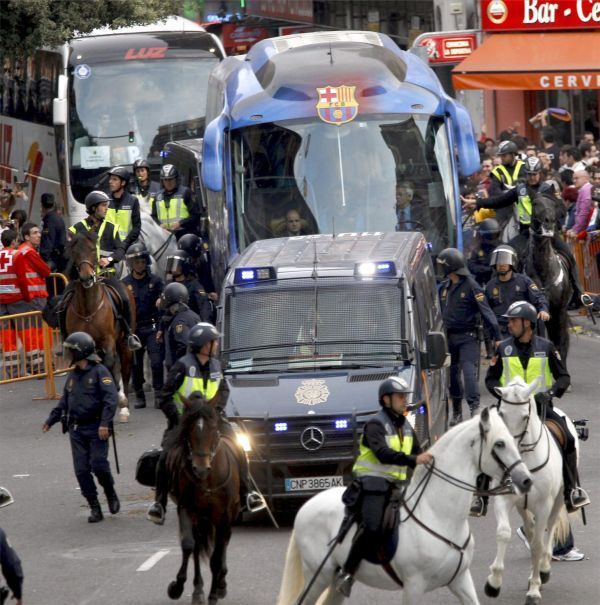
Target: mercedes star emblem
point(312, 438)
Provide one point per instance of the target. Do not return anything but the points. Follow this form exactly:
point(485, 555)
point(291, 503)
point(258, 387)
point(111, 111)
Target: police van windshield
point(379, 173)
point(301, 323)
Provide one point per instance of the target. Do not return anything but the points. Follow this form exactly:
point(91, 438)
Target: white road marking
point(21, 476)
point(153, 560)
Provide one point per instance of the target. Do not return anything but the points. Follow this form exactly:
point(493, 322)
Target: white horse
point(541, 507)
point(435, 542)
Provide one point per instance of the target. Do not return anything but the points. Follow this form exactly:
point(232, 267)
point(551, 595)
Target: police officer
point(180, 269)
point(147, 289)
point(54, 235)
point(480, 251)
point(87, 408)
point(124, 208)
point(9, 560)
point(110, 251)
point(463, 302)
point(507, 286)
point(512, 169)
point(143, 187)
point(529, 356)
point(199, 370)
point(198, 251)
point(388, 447)
point(173, 207)
point(176, 323)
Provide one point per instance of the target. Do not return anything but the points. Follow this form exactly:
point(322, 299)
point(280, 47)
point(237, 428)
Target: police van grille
point(370, 377)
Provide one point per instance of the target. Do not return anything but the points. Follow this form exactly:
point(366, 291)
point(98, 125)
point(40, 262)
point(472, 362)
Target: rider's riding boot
point(157, 511)
point(95, 510)
point(479, 504)
point(456, 412)
point(345, 576)
point(140, 400)
point(575, 496)
point(133, 342)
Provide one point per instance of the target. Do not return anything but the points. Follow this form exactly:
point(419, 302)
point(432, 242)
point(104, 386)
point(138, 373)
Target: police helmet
point(533, 165)
point(507, 147)
point(191, 243)
point(175, 293)
point(394, 384)
point(121, 172)
point(81, 346)
point(180, 260)
point(140, 163)
point(200, 334)
point(5, 497)
point(168, 171)
point(451, 260)
point(93, 199)
point(522, 309)
point(489, 229)
point(504, 255)
point(137, 250)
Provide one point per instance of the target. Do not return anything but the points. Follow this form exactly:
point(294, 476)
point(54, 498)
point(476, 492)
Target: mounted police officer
point(147, 289)
point(143, 188)
point(388, 447)
point(180, 269)
point(529, 356)
point(176, 323)
point(199, 370)
point(86, 409)
point(9, 560)
point(173, 207)
point(124, 208)
point(507, 287)
point(463, 302)
point(197, 248)
point(110, 250)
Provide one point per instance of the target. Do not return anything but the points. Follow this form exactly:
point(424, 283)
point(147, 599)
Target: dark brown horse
point(91, 310)
point(205, 484)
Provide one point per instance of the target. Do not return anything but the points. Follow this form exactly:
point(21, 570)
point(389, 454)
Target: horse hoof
point(545, 577)
point(531, 600)
point(491, 591)
point(175, 590)
point(123, 415)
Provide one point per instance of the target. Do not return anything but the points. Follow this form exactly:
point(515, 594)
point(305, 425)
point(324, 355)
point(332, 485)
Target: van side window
point(420, 313)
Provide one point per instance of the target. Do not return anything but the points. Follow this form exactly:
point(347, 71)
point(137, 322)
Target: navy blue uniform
point(462, 304)
point(176, 328)
point(199, 302)
point(501, 294)
point(146, 292)
point(89, 401)
point(53, 242)
point(11, 567)
point(478, 260)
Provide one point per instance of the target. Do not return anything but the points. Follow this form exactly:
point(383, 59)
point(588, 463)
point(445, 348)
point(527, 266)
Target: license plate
point(312, 484)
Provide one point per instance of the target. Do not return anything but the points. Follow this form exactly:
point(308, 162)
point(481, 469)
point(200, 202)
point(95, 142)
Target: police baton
point(114, 442)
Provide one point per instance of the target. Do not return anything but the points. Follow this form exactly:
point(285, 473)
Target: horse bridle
point(87, 282)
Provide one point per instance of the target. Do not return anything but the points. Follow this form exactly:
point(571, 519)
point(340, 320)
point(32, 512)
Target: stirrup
point(478, 507)
point(255, 502)
point(578, 498)
point(133, 343)
point(344, 582)
point(586, 300)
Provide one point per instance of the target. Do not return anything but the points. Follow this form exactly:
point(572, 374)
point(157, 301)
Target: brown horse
point(205, 484)
point(90, 310)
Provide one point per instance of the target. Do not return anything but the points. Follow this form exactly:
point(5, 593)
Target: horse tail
point(562, 527)
point(292, 581)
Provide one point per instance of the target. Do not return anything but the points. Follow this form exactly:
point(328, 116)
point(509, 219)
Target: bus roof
point(170, 24)
point(268, 81)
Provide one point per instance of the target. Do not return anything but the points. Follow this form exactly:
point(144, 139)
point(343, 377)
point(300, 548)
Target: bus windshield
point(125, 110)
point(377, 173)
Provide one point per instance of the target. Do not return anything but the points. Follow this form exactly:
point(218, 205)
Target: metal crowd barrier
point(30, 348)
point(585, 252)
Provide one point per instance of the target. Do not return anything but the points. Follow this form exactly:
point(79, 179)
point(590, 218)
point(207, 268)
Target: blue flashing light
point(281, 427)
point(247, 275)
point(422, 409)
point(375, 269)
point(341, 424)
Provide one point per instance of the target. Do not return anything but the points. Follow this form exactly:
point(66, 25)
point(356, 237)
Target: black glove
point(543, 400)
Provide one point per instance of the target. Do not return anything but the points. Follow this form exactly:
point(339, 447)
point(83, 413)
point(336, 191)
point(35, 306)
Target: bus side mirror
point(437, 350)
point(59, 104)
point(212, 154)
point(464, 137)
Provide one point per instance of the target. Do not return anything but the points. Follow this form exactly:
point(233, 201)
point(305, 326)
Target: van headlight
point(243, 440)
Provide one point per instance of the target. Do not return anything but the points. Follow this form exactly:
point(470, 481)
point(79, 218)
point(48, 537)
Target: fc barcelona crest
point(337, 104)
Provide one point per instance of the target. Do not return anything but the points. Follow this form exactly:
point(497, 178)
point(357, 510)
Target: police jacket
point(169, 207)
point(198, 301)
point(388, 444)
point(11, 566)
point(187, 375)
point(89, 397)
point(462, 303)
point(146, 292)
point(478, 260)
point(501, 294)
point(538, 357)
point(125, 213)
point(108, 244)
point(54, 239)
point(505, 177)
point(522, 195)
point(177, 329)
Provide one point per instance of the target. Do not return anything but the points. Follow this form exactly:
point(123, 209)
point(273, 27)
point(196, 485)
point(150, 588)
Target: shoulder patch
point(479, 296)
point(558, 355)
point(107, 380)
point(533, 286)
point(179, 328)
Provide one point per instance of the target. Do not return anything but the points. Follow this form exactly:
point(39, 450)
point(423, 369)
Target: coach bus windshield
point(124, 110)
point(379, 173)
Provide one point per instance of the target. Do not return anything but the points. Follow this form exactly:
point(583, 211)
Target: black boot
point(140, 400)
point(456, 412)
point(345, 576)
point(95, 510)
point(575, 496)
point(114, 504)
point(157, 511)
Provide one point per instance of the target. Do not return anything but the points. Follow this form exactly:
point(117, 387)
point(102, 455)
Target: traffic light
point(131, 136)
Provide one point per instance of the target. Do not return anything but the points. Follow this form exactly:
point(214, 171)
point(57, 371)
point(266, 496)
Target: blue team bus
point(345, 129)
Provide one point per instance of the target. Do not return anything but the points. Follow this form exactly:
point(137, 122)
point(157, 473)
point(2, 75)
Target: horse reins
point(162, 249)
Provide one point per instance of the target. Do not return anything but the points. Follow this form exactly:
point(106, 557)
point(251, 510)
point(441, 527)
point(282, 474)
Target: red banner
point(448, 49)
point(292, 10)
point(512, 15)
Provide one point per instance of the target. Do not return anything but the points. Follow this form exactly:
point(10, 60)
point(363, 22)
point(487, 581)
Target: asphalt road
point(128, 560)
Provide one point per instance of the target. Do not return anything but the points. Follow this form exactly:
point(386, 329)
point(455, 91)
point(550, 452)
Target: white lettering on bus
point(592, 15)
point(545, 13)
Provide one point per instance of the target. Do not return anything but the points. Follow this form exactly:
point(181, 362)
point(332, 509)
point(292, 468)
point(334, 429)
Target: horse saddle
point(557, 432)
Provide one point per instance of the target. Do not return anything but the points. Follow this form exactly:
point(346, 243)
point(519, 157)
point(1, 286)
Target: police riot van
point(310, 327)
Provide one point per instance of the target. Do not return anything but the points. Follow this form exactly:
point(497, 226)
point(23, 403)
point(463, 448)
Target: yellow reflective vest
point(121, 217)
point(524, 205)
point(538, 364)
point(171, 211)
point(107, 233)
point(367, 464)
point(194, 381)
point(506, 177)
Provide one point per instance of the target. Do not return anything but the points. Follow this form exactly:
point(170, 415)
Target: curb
point(582, 324)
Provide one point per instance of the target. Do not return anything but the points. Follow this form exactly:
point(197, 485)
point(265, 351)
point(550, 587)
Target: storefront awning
point(552, 61)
